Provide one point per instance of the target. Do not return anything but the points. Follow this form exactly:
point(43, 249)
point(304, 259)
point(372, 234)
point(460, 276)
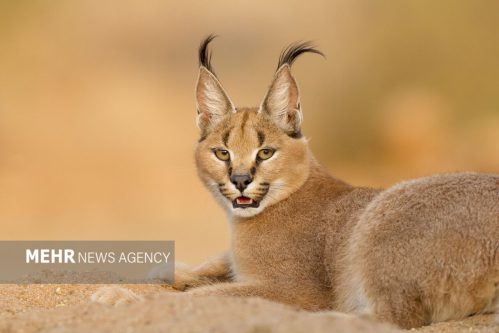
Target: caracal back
point(425, 251)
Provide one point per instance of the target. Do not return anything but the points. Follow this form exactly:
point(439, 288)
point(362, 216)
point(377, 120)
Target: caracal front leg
point(214, 270)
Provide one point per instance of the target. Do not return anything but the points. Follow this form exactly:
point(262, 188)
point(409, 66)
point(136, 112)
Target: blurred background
point(97, 111)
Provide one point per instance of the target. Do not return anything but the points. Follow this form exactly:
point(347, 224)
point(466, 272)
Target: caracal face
point(249, 163)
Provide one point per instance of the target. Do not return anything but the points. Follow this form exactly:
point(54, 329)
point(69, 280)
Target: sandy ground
point(66, 308)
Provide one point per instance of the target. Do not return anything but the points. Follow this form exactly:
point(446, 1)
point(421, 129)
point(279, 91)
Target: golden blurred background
point(97, 111)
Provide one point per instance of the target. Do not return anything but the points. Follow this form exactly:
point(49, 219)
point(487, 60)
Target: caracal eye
point(222, 154)
point(265, 154)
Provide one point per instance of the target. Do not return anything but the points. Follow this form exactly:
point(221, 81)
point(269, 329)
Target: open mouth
point(244, 202)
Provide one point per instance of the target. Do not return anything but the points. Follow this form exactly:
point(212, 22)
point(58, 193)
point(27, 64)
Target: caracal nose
point(241, 180)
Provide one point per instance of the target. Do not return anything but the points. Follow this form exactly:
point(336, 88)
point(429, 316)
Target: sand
point(66, 308)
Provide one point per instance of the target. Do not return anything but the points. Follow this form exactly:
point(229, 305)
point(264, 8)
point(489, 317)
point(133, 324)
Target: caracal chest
point(276, 247)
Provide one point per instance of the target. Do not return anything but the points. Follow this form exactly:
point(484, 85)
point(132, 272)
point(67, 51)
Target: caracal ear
point(213, 103)
point(282, 102)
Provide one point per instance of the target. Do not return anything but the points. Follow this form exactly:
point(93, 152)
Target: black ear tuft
point(205, 54)
point(290, 53)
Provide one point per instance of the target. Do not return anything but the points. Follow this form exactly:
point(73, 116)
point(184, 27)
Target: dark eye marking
point(295, 135)
point(225, 137)
point(261, 138)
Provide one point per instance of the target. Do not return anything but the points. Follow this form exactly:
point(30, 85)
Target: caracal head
point(251, 158)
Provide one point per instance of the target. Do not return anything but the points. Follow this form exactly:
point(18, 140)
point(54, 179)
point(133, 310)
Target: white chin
point(246, 212)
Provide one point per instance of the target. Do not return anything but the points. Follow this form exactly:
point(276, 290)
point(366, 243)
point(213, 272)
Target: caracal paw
point(115, 295)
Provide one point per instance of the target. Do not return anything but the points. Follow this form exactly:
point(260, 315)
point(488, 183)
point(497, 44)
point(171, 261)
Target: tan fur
point(214, 270)
point(422, 251)
point(115, 295)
